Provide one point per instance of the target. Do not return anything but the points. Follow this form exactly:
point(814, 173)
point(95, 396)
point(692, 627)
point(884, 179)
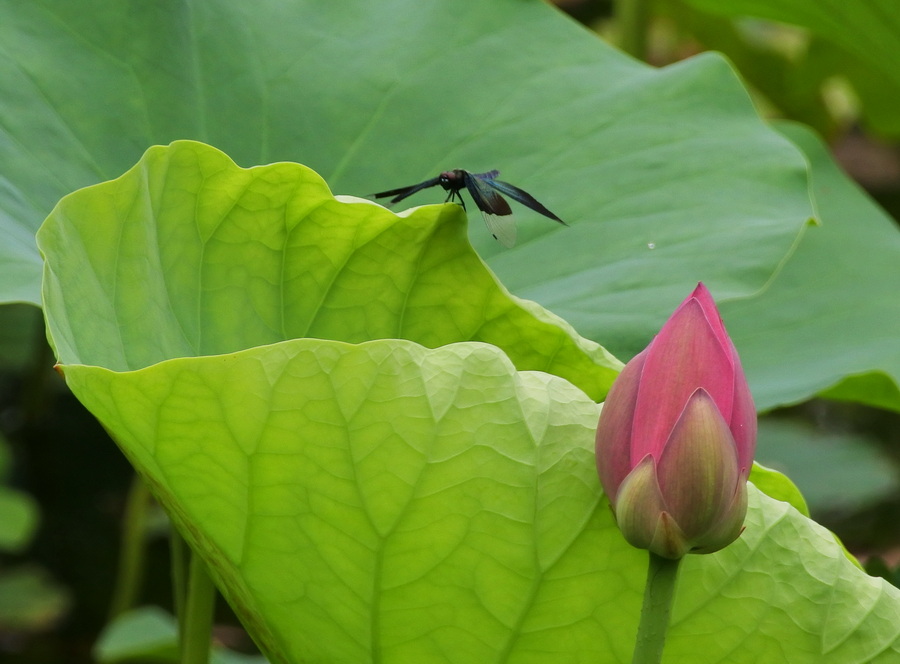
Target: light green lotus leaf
point(778, 486)
point(187, 254)
point(380, 499)
point(388, 502)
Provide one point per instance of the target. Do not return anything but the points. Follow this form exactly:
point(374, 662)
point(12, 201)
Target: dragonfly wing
point(496, 211)
point(522, 197)
point(404, 192)
point(502, 227)
point(487, 199)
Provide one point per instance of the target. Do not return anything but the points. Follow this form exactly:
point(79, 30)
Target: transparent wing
point(496, 211)
point(502, 227)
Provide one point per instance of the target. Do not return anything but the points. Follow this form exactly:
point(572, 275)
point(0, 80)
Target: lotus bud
point(676, 437)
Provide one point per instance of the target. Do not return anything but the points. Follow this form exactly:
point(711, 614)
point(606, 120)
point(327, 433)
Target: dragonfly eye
point(448, 182)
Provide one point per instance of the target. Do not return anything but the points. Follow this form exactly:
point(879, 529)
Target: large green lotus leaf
point(660, 173)
point(836, 299)
point(387, 502)
point(187, 254)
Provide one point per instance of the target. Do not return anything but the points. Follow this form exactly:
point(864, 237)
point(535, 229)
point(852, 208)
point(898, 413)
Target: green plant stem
point(632, 22)
point(132, 548)
point(659, 592)
point(178, 552)
point(196, 624)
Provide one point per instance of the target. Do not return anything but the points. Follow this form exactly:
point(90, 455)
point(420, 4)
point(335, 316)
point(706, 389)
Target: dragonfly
point(485, 190)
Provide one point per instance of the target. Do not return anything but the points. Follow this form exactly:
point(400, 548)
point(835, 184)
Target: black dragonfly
point(485, 190)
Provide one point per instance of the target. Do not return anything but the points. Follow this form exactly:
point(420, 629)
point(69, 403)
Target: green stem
point(632, 25)
point(198, 614)
point(658, 595)
point(132, 548)
point(178, 553)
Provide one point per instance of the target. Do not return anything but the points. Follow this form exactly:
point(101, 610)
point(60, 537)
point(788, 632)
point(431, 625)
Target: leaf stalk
point(659, 593)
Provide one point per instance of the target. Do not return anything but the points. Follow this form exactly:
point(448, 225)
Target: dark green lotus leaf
point(836, 299)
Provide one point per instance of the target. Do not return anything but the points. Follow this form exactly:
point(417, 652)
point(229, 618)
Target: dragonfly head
point(452, 180)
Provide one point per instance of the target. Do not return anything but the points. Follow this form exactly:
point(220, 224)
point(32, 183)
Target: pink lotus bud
point(676, 437)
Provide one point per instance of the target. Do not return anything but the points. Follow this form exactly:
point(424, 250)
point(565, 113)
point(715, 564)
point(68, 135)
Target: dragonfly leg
point(455, 195)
